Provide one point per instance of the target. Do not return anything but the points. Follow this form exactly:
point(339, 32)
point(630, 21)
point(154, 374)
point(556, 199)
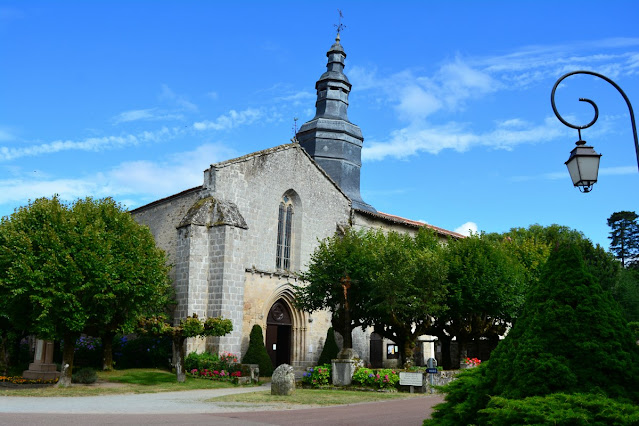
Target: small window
point(284, 237)
point(392, 351)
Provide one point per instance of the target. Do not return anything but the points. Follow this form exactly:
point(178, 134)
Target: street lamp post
point(583, 164)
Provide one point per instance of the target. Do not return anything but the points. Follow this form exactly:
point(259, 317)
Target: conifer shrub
point(330, 350)
point(86, 375)
point(256, 352)
point(571, 339)
point(559, 409)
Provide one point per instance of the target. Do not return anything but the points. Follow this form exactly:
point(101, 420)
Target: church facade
point(238, 241)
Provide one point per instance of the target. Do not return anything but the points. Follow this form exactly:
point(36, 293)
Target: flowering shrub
point(88, 351)
point(222, 375)
point(18, 380)
point(380, 379)
point(317, 376)
point(472, 362)
point(213, 367)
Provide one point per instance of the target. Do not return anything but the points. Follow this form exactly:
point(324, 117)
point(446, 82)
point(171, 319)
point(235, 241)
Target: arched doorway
point(278, 333)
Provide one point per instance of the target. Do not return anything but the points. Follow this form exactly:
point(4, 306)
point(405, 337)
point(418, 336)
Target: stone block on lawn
point(283, 380)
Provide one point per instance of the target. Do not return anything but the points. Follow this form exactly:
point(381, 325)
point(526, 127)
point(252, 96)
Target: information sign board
point(411, 379)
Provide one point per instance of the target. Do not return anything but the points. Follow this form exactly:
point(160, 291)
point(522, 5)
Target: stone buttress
point(209, 268)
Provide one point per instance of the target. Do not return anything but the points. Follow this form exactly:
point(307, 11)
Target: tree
point(626, 293)
point(337, 279)
point(256, 352)
point(62, 273)
point(390, 281)
point(486, 284)
point(189, 327)
point(568, 329)
point(407, 287)
point(330, 349)
point(120, 256)
point(624, 236)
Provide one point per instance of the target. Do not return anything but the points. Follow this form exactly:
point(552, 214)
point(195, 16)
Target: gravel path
point(146, 403)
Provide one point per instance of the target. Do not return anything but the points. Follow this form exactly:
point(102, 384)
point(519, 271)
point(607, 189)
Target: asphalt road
point(191, 408)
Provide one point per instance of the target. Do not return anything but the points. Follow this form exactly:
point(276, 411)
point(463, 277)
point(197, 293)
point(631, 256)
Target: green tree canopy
point(407, 287)
point(65, 270)
point(624, 236)
point(339, 270)
point(391, 281)
point(486, 284)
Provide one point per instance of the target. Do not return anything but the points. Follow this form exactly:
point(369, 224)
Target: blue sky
point(135, 99)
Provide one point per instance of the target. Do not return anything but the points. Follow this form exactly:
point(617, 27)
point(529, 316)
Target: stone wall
point(163, 216)
point(256, 184)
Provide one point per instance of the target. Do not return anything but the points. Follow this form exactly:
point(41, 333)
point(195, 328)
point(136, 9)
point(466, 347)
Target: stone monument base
point(41, 371)
point(343, 370)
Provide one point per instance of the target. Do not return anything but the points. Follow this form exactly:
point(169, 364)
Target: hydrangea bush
point(379, 379)
point(318, 376)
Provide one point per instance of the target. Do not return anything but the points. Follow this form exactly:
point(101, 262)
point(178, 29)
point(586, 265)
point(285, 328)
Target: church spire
point(330, 138)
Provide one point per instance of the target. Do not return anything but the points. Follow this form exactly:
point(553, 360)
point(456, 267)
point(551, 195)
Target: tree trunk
point(348, 331)
point(107, 348)
point(67, 359)
point(407, 353)
point(179, 351)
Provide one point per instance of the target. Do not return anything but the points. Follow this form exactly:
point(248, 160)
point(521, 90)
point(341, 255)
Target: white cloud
point(169, 95)
point(212, 95)
point(230, 120)
point(134, 115)
point(151, 114)
point(467, 229)
point(298, 98)
point(136, 181)
point(506, 135)
point(88, 144)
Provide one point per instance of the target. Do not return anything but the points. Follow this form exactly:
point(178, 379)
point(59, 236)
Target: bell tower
point(330, 139)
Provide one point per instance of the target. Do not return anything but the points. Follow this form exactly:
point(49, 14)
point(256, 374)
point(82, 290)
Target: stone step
point(42, 375)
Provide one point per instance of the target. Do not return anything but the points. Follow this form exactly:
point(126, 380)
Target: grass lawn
point(137, 380)
point(315, 397)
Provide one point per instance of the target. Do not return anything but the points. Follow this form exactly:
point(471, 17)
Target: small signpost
point(431, 369)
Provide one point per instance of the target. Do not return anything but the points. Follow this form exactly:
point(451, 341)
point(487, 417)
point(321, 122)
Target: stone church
point(237, 241)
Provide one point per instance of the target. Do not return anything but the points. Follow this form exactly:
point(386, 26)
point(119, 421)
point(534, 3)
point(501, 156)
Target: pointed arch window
point(284, 231)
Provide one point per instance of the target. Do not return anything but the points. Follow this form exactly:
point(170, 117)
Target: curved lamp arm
point(603, 77)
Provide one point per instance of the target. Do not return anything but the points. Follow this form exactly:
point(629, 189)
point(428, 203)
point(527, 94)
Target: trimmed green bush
point(256, 352)
point(330, 350)
point(559, 409)
point(85, 376)
point(205, 360)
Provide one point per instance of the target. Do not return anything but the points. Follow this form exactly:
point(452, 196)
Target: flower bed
point(19, 381)
point(216, 375)
point(222, 367)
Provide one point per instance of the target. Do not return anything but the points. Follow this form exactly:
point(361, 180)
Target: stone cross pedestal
point(42, 366)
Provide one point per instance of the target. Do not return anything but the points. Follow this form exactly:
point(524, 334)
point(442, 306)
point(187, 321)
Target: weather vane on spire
point(341, 26)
